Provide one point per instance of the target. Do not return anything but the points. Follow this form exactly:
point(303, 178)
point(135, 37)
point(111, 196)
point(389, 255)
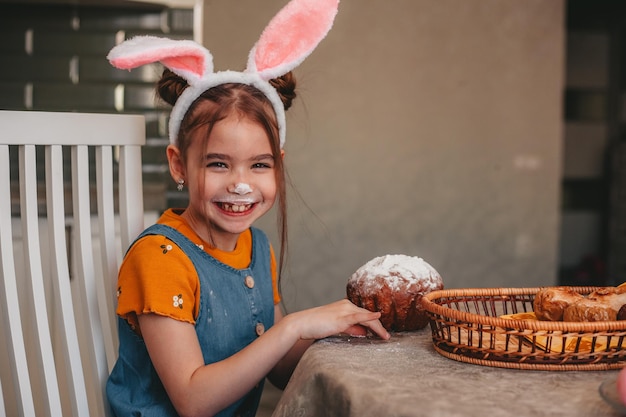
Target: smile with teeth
point(235, 208)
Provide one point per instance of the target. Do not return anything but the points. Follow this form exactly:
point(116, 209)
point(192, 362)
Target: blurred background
point(485, 136)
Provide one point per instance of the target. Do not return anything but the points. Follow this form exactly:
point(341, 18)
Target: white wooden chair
point(58, 293)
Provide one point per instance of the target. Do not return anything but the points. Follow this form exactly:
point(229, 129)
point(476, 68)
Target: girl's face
point(231, 181)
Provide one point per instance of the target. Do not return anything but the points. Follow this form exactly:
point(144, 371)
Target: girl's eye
point(261, 165)
point(216, 164)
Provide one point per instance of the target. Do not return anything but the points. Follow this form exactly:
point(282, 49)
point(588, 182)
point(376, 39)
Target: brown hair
point(223, 100)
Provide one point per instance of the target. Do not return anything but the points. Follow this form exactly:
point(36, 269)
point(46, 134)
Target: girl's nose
point(240, 188)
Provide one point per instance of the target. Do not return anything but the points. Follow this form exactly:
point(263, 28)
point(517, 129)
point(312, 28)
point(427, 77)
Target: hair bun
point(285, 86)
point(171, 86)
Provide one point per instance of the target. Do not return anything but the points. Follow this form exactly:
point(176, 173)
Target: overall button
point(249, 282)
point(260, 329)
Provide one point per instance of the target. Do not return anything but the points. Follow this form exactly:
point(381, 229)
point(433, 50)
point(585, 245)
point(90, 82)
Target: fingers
point(356, 331)
point(338, 317)
point(361, 330)
point(376, 327)
point(369, 319)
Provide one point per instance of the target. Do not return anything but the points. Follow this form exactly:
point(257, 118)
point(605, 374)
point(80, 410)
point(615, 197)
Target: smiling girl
point(200, 322)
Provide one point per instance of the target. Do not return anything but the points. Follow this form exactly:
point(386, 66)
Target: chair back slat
point(62, 242)
point(11, 318)
point(106, 240)
point(131, 209)
point(60, 273)
point(36, 295)
point(85, 268)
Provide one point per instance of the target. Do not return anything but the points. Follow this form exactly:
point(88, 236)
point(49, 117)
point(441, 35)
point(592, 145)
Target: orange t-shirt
point(157, 277)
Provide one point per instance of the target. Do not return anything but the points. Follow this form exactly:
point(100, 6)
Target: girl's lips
point(236, 199)
point(236, 204)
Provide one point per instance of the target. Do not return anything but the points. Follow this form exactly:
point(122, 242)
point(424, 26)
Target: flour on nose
point(242, 188)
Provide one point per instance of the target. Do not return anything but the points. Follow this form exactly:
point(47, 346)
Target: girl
point(200, 323)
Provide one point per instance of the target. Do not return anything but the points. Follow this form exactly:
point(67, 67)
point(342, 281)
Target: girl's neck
point(203, 230)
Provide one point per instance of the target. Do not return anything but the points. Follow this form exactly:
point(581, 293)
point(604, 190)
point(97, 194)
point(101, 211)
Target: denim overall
point(230, 316)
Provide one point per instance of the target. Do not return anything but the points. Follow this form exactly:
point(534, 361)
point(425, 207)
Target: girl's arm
point(280, 374)
point(198, 389)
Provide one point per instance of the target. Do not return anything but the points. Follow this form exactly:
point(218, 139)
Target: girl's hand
point(338, 317)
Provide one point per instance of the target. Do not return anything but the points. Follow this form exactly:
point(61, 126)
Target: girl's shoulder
point(156, 276)
point(155, 251)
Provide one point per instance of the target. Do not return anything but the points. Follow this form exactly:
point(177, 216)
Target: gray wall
point(425, 127)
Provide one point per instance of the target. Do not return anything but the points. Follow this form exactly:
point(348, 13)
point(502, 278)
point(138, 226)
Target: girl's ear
point(176, 164)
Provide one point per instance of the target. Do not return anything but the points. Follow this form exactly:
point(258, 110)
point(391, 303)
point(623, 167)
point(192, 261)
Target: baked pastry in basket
point(550, 303)
point(562, 303)
point(394, 285)
point(589, 310)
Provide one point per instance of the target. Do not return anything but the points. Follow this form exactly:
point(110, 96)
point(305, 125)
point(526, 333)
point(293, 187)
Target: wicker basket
point(486, 326)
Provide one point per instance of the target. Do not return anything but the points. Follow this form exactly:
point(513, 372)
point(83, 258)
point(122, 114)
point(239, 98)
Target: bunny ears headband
point(286, 41)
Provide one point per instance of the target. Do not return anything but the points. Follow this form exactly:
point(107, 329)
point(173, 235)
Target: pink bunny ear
point(291, 36)
point(186, 58)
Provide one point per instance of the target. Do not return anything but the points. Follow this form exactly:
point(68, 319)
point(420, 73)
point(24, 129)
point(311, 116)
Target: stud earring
point(181, 183)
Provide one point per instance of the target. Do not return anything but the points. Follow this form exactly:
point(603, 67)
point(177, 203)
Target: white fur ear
point(186, 58)
point(291, 36)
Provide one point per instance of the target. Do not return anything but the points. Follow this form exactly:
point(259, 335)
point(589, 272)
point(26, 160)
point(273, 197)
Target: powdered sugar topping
point(400, 271)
